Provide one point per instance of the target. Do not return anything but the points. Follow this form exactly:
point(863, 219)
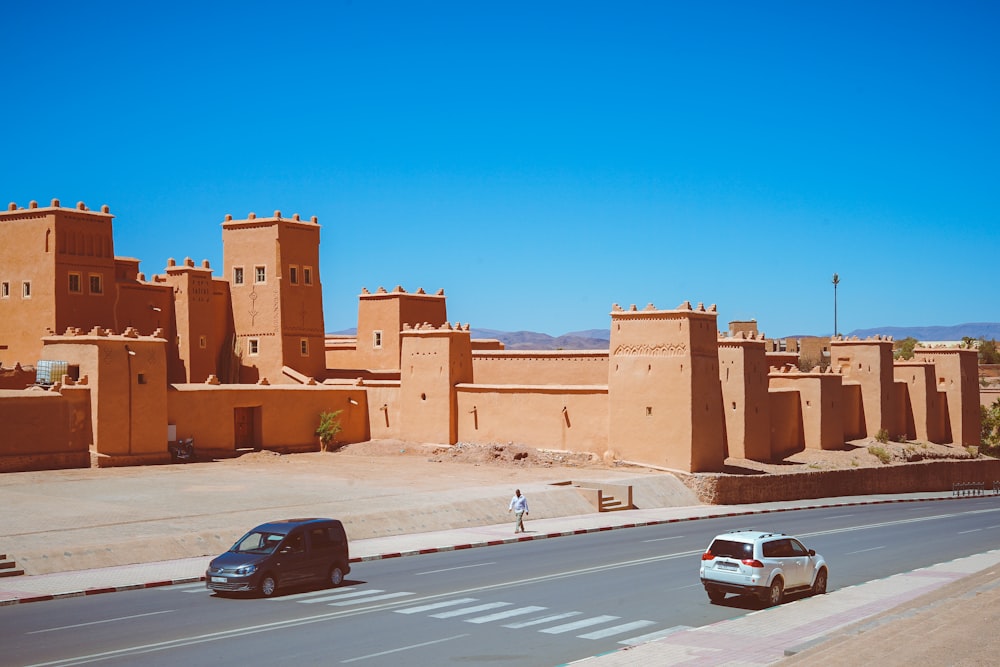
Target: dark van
point(280, 554)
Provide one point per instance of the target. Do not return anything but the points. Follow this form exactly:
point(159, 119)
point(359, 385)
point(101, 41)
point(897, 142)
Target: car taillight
point(708, 555)
point(750, 562)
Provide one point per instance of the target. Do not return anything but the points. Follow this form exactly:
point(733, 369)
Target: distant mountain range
point(599, 339)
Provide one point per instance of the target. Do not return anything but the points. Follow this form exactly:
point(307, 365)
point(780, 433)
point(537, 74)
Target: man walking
point(518, 505)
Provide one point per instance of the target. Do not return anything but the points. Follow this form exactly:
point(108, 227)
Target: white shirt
point(518, 504)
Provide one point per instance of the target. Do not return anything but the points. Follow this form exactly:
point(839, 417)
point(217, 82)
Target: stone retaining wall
point(721, 489)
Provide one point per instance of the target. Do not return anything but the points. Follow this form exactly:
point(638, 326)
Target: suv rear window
point(731, 549)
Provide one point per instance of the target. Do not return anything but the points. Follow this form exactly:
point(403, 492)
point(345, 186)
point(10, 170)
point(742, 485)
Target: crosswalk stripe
point(642, 639)
point(616, 630)
point(326, 592)
point(500, 615)
point(583, 623)
point(341, 596)
point(385, 596)
point(436, 605)
point(470, 610)
point(544, 619)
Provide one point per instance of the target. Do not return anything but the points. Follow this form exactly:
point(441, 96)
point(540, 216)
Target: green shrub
point(329, 427)
point(881, 453)
point(882, 436)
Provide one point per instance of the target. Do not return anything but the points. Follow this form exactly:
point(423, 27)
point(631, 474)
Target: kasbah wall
point(240, 362)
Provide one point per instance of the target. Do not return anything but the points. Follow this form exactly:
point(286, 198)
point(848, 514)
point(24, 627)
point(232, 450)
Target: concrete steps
point(8, 568)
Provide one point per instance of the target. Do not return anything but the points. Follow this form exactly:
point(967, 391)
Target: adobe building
point(241, 362)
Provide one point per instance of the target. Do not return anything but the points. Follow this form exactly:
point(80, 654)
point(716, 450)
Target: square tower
point(957, 372)
point(382, 315)
point(664, 395)
point(272, 265)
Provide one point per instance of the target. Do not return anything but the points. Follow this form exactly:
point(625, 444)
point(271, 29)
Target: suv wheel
point(775, 592)
point(336, 577)
point(819, 586)
point(268, 585)
point(715, 595)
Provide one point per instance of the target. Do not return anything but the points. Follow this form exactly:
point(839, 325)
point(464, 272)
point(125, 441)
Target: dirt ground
point(418, 460)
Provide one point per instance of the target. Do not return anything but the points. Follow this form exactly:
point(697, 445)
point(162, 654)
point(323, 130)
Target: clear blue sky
point(540, 161)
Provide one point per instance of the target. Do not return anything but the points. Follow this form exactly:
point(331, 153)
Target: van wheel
point(775, 592)
point(268, 586)
point(336, 577)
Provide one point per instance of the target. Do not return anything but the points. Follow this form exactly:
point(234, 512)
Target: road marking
point(663, 539)
point(642, 639)
point(616, 629)
point(451, 569)
point(311, 594)
point(436, 605)
point(863, 551)
point(402, 648)
point(340, 596)
point(470, 610)
point(500, 615)
point(544, 619)
point(107, 620)
point(974, 530)
point(384, 596)
point(837, 516)
point(576, 625)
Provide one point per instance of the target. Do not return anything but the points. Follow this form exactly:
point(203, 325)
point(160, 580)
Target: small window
point(304, 347)
point(293, 274)
point(96, 283)
point(140, 378)
point(307, 275)
point(5, 290)
point(253, 347)
point(75, 285)
point(203, 341)
point(377, 340)
point(260, 274)
point(26, 289)
point(237, 275)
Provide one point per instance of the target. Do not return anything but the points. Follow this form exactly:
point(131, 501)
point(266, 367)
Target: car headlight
point(245, 570)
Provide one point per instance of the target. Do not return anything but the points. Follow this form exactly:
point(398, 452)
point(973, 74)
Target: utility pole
point(836, 281)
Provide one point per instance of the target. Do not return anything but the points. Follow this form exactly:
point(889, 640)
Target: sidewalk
point(760, 638)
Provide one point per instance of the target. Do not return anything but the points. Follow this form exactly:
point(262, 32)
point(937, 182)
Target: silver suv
point(766, 565)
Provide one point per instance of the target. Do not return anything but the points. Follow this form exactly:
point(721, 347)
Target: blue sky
point(540, 161)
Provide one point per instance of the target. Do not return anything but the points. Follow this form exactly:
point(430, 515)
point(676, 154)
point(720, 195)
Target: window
point(203, 342)
point(293, 274)
point(307, 275)
point(253, 347)
point(377, 340)
point(26, 289)
point(96, 284)
point(5, 290)
point(260, 274)
point(237, 275)
point(75, 285)
point(140, 378)
point(304, 347)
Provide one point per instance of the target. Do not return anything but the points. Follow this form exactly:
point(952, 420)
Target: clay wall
point(16, 377)
point(787, 430)
point(854, 411)
point(559, 367)
point(571, 418)
point(743, 371)
point(869, 364)
point(433, 362)
point(285, 416)
point(920, 402)
point(820, 404)
point(40, 430)
point(958, 381)
point(384, 420)
point(987, 397)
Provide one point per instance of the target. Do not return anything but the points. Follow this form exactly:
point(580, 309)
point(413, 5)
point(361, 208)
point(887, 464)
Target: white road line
point(385, 596)
point(436, 605)
point(664, 539)
point(616, 630)
point(450, 569)
point(863, 551)
point(341, 596)
point(974, 530)
point(642, 639)
point(544, 619)
point(500, 615)
point(470, 610)
point(107, 620)
point(312, 594)
point(402, 648)
point(583, 623)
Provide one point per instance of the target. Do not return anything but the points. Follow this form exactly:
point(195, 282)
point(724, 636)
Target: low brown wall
point(720, 489)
